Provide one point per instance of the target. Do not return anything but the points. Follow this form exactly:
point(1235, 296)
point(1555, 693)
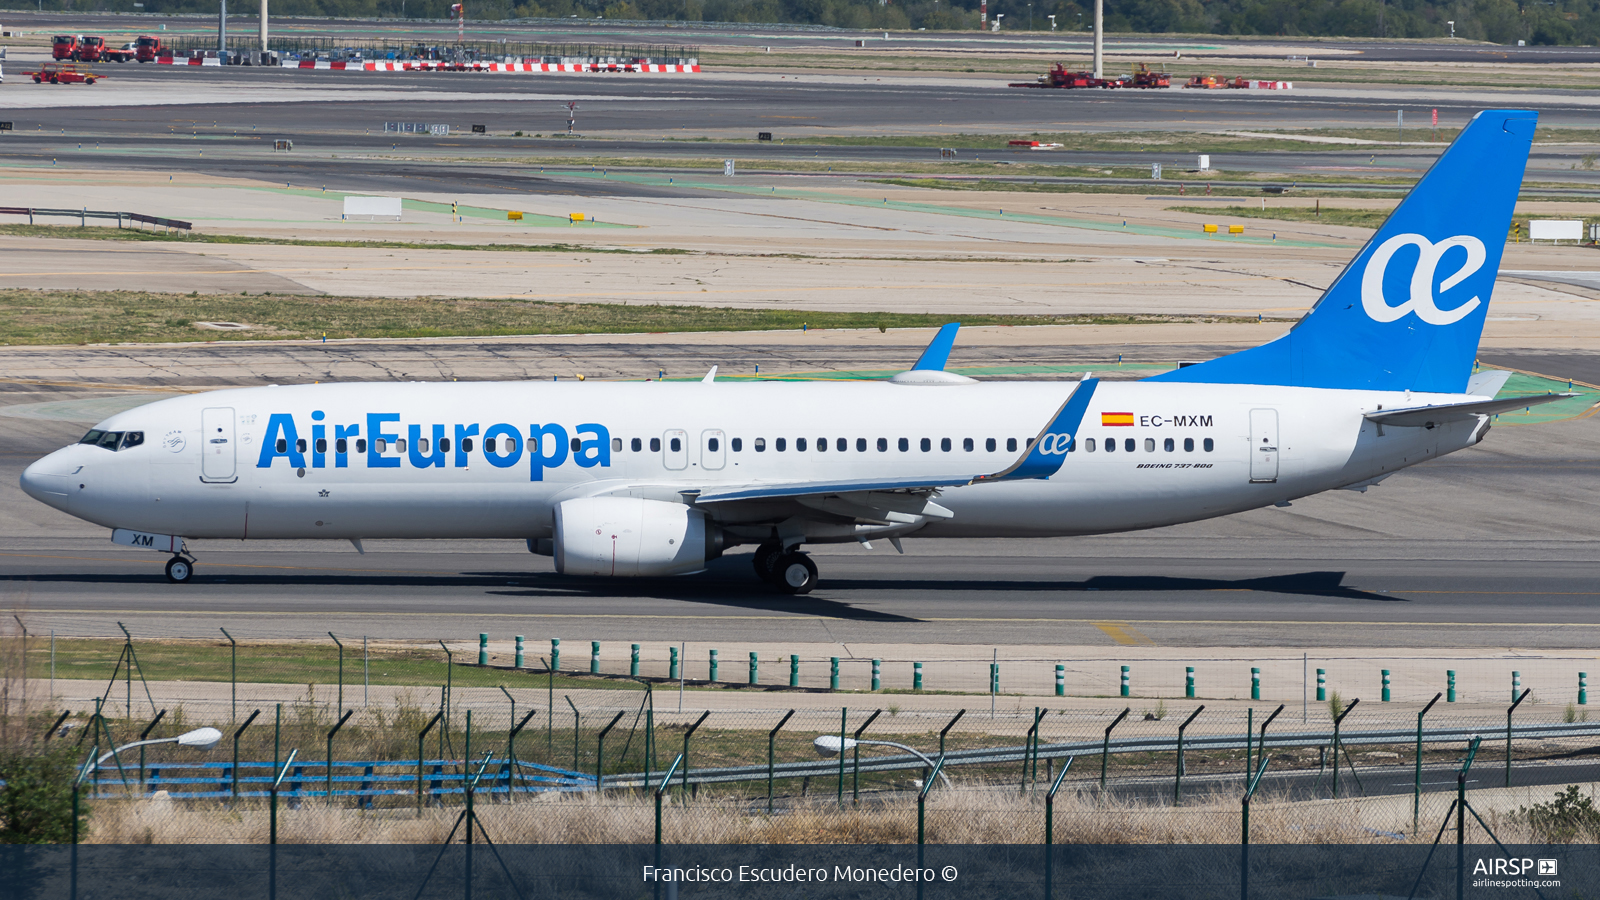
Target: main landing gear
point(789, 571)
point(180, 569)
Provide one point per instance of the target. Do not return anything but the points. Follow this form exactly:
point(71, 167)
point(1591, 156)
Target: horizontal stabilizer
point(1427, 416)
point(1487, 384)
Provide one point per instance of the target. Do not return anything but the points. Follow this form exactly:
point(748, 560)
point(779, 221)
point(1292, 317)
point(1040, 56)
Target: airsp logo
point(174, 441)
point(1055, 444)
point(1421, 300)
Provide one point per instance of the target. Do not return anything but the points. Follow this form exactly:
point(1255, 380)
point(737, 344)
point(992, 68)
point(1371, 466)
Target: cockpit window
point(111, 440)
point(132, 439)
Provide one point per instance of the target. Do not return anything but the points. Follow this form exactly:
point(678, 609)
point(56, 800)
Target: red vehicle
point(147, 48)
point(90, 48)
point(62, 73)
point(1144, 78)
point(126, 53)
point(64, 46)
point(1059, 77)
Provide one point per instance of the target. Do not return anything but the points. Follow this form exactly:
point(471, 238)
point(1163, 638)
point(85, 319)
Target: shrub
point(36, 800)
point(1569, 817)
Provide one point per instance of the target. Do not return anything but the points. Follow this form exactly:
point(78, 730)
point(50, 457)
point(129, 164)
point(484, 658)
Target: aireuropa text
point(907, 874)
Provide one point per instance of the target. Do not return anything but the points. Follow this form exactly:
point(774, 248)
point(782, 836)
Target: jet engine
point(628, 536)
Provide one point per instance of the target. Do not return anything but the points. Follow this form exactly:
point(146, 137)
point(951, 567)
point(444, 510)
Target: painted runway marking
point(1124, 634)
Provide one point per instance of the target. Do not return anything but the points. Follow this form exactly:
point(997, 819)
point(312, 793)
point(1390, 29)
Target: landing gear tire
point(766, 562)
point(797, 574)
point(179, 570)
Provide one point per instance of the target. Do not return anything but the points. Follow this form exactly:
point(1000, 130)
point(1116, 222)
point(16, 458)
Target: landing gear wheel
point(766, 562)
point(179, 570)
point(797, 574)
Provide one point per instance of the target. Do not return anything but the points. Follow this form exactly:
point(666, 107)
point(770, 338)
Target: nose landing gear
point(180, 569)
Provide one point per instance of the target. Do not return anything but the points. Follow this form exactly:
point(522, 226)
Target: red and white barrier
point(188, 61)
point(1271, 85)
point(440, 66)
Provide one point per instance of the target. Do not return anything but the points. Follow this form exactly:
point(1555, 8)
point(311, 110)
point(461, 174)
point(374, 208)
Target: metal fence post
point(145, 734)
point(1338, 746)
point(685, 755)
point(844, 728)
point(340, 645)
point(600, 754)
point(1050, 829)
point(1416, 795)
point(511, 752)
point(1105, 747)
point(666, 779)
point(1030, 751)
point(772, 737)
point(233, 676)
point(577, 724)
point(855, 767)
point(1509, 710)
point(272, 826)
point(1244, 828)
point(1177, 782)
point(422, 735)
point(946, 729)
point(236, 735)
point(335, 730)
point(922, 801)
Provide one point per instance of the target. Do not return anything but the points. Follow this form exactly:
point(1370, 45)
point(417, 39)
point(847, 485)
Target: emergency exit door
point(1263, 445)
point(675, 449)
point(218, 446)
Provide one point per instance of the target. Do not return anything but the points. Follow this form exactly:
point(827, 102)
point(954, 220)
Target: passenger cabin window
point(778, 445)
point(616, 445)
point(736, 444)
point(711, 444)
point(283, 446)
point(926, 445)
point(488, 445)
point(1168, 445)
point(944, 444)
point(822, 445)
point(300, 445)
point(904, 445)
point(676, 445)
point(655, 445)
point(322, 445)
point(989, 445)
point(636, 445)
point(422, 445)
point(361, 445)
point(341, 446)
point(861, 445)
point(400, 444)
point(1111, 445)
point(1089, 445)
point(444, 445)
point(1128, 445)
point(1188, 445)
point(1208, 445)
point(466, 445)
point(1149, 445)
point(883, 445)
point(843, 445)
point(382, 445)
point(1011, 445)
point(575, 443)
point(966, 444)
point(761, 445)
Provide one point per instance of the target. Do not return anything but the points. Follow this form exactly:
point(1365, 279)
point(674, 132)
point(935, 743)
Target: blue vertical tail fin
point(1408, 311)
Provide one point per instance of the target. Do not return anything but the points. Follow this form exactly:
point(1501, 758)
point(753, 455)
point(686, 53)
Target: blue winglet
point(1045, 456)
point(938, 352)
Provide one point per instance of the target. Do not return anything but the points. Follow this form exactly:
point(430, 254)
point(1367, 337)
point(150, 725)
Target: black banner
point(814, 872)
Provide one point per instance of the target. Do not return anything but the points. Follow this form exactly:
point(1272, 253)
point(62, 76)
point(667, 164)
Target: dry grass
point(982, 814)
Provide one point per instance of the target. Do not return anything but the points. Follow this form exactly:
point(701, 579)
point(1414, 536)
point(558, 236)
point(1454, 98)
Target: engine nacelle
point(627, 536)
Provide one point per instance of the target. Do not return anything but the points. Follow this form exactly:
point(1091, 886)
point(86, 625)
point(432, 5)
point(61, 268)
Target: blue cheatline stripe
point(1049, 450)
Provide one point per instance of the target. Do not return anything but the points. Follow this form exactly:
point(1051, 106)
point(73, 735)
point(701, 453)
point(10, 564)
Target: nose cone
point(47, 480)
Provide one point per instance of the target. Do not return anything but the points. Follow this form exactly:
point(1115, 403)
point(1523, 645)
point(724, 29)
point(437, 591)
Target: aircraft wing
point(1428, 416)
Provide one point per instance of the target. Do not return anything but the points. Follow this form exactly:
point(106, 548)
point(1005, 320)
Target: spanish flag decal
point(1119, 418)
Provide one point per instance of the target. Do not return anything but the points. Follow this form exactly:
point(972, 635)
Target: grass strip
point(85, 317)
point(101, 233)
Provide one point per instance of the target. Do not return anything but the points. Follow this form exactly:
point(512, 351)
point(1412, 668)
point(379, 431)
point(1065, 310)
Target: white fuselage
point(209, 465)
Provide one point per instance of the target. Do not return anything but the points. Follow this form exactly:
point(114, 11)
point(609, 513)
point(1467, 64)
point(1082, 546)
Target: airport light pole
point(1052, 22)
point(1099, 38)
point(830, 745)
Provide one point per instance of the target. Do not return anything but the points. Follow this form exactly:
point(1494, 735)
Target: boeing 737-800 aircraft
point(653, 478)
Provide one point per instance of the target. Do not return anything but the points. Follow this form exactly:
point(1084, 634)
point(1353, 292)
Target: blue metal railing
point(358, 778)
